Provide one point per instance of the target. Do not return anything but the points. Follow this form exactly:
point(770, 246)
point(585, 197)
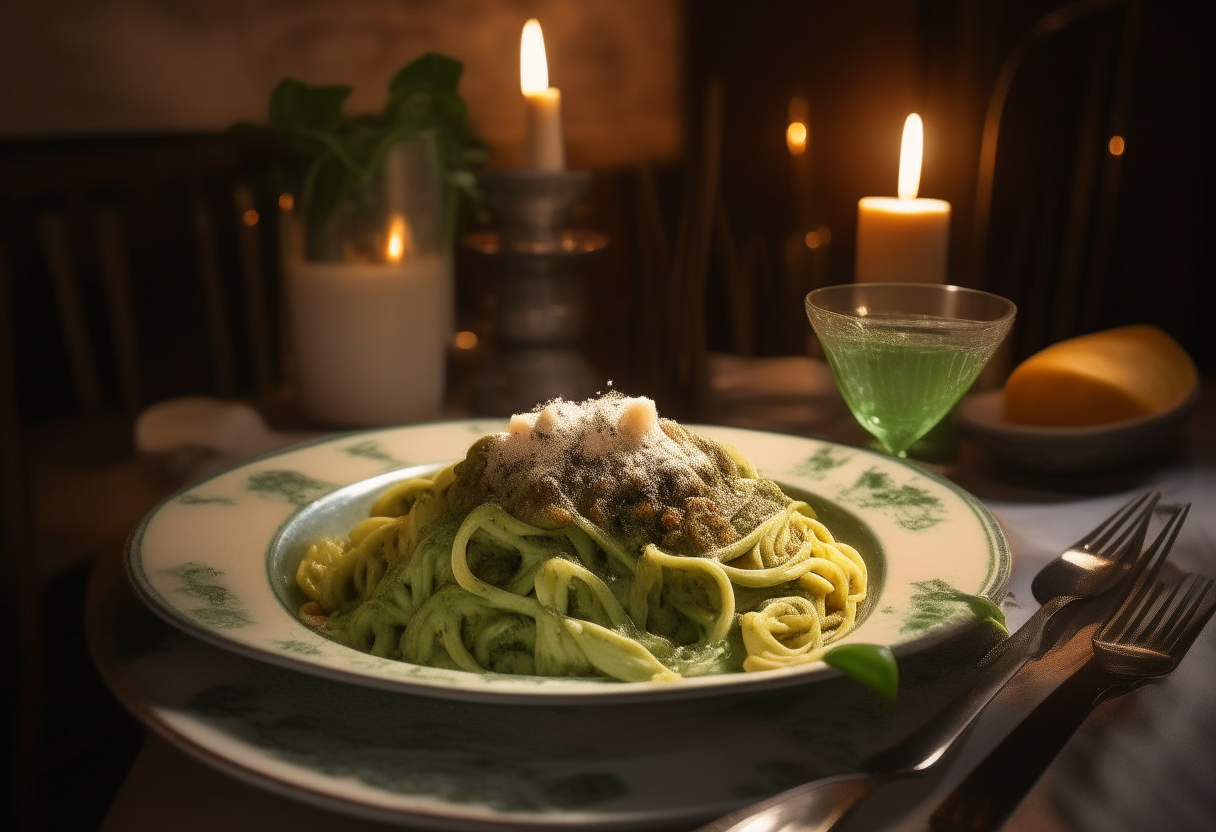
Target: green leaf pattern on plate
point(911, 506)
point(203, 500)
point(387, 749)
point(222, 608)
point(292, 486)
point(817, 466)
point(373, 450)
point(936, 602)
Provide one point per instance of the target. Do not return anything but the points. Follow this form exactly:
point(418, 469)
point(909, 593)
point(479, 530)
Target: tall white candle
point(904, 239)
point(369, 337)
point(545, 148)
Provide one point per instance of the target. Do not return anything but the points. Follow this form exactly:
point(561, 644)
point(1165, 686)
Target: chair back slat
point(135, 273)
point(247, 221)
point(1084, 201)
point(21, 570)
point(9, 443)
point(116, 277)
point(63, 271)
point(1044, 211)
point(219, 331)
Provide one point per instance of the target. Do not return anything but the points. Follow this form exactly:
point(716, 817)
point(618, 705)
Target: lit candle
point(369, 337)
point(904, 239)
point(370, 327)
point(545, 147)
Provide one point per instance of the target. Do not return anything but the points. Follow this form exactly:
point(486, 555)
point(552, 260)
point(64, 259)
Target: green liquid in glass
point(901, 375)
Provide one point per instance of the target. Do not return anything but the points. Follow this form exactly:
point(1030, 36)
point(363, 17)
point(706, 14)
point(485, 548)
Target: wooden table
point(760, 394)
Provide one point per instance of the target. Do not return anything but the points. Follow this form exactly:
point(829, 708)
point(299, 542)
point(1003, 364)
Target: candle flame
point(795, 138)
point(400, 239)
point(533, 65)
point(910, 153)
point(798, 133)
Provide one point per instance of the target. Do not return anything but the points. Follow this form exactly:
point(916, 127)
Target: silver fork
point(1096, 561)
point(1094, 565)
point(1144, 640)
point(1113, 550)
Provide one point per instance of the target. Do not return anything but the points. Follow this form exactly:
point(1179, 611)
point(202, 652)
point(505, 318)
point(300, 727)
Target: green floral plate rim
point(216, 559)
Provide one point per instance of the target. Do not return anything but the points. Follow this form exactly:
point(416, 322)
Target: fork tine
point(989, 794)
point(1156, 623)
point(1193, 613)
point(1143, 572)
point(1174, 613)
point(1134, 615)
point(1125, 542)
point(1146, 566)
point(1118, 538)
point(1129, 517)
point(1198, 621)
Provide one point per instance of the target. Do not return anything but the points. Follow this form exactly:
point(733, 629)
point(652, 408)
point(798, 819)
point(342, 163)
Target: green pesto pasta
point(594, 540)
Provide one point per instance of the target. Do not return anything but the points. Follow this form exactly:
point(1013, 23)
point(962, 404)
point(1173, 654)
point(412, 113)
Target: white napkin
point(191, 437)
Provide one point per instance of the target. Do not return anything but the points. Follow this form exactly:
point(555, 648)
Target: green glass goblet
point(903, 354)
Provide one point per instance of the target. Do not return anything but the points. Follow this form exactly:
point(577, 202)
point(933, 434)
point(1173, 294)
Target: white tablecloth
point(1144, 761)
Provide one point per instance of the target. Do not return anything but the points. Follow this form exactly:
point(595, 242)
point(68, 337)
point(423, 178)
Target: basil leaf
point(327, 183)
point(431, 71)
point(294, 105)
point(985, 610)
point(870, 664)
point(934, 602)
point(337, 156)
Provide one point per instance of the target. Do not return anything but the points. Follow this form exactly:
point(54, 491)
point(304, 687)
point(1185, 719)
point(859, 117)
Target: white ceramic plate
point(217, 559)
point(981, 418)
point(437, 764)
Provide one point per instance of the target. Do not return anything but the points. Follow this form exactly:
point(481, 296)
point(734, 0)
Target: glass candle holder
point(369, 289)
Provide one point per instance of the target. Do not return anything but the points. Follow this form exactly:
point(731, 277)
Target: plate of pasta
point(584, 552)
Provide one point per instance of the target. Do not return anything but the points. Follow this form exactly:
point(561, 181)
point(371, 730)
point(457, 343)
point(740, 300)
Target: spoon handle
point(811, 807)
point(988, 796)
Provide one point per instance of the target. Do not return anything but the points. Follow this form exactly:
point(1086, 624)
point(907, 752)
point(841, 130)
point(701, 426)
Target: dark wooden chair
point(1051, 162)
point(131, 270)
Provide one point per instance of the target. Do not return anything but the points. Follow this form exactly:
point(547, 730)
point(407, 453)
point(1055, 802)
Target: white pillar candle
point(545, 148)
point(904, 239)
point(369, 339)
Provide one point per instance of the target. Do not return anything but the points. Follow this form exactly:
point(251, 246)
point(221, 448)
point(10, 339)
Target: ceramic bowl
point(980, 418)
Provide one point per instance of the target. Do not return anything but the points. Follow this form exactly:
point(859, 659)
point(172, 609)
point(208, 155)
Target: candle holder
point(540, 302)
point(369, 290)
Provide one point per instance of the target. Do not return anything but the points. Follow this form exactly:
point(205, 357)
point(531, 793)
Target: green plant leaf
point(935, 602)
point(870, 664)
point(327, 182)
point(431, 71)
point(336, 157)
point(295, 105)
point(985, 610)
